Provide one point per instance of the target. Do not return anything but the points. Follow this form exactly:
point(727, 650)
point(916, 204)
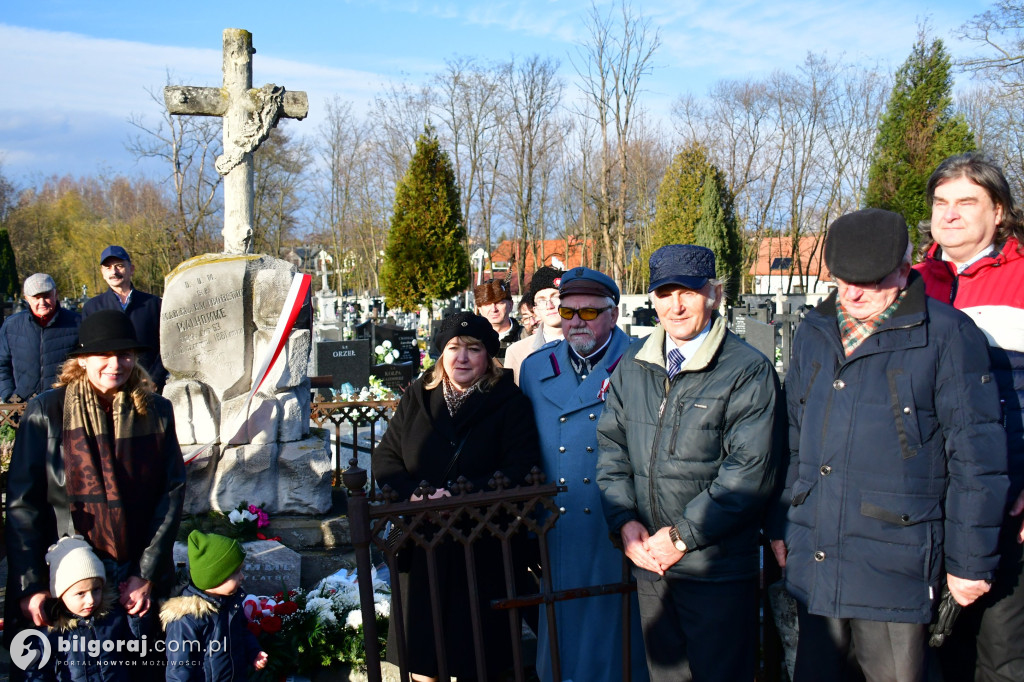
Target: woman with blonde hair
point(95, 456)
point(465, 418)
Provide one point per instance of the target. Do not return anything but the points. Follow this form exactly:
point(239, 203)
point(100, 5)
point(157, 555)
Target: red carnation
point(255, 628)
point(271, 624)
point(286, 608)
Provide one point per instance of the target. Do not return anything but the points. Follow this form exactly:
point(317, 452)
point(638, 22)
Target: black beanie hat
point(865, 246)
point(546, 277)
point(467, 324)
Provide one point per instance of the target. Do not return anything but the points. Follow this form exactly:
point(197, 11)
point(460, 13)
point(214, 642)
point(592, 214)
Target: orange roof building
point(777, 268)
point(558, 253)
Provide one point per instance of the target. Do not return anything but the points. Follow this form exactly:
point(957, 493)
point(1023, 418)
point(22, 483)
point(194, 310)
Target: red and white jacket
point(991, 292)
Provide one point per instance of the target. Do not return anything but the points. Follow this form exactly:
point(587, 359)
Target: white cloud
point(70, 96)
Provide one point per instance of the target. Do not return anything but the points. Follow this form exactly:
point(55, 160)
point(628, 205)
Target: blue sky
point(74, 71)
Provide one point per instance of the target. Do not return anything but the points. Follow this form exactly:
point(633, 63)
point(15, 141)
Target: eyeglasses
point(586, 314)
point(541, 302)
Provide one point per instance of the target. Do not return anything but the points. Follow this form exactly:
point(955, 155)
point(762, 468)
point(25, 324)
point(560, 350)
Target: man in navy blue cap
point(141, 308)
point(687, 464)
point(566, 380)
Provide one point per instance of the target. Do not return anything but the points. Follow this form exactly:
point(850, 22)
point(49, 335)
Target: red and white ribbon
point(285, 323)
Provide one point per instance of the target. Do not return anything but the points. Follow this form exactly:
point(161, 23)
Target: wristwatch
point(677, 541)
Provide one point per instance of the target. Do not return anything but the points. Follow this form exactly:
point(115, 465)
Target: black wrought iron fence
point(356, 415)
point(462, 521)
point(504, 514)
point(508, 516)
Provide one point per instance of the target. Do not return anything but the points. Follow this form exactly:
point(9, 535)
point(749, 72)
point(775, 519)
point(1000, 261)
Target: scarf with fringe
point(111, 470)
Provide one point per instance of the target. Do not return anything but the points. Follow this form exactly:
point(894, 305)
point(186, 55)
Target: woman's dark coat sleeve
point(31, 517)
point(157, 558)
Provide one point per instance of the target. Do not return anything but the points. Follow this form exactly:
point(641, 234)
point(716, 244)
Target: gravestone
point(345, 361)
point(762, 337)
point(331, 334)
point(218, 320)
point(269, 566)
point(396, 376)
point(644, 317)
point(402, 339)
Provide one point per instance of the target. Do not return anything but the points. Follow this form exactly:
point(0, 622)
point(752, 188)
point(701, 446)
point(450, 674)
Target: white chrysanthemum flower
point(322, 608)
point(386, 344)
point(347, 597)
point(354, 619)
point(383, 607)
point(379, 349)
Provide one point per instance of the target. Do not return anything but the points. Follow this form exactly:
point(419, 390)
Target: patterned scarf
point(111, 465)
point(453, 397)
point(853, 331)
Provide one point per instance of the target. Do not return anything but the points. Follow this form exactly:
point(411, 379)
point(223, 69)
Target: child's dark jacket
point(110, 623)
point(202, 619)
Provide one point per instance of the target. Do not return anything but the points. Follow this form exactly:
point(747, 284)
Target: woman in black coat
point(97, 456)
point(466, 400)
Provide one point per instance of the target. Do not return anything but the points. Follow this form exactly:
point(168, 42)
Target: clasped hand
point(655, 553)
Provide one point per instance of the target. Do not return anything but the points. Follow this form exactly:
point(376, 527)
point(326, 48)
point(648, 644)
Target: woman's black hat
point(106, 331)
point(467, 324)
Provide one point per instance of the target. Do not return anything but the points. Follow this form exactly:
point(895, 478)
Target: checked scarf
point(854, 331)
point(111, 463)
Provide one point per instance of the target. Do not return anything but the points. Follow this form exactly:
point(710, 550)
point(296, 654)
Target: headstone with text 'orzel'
point(345, 361)
point(218, 316)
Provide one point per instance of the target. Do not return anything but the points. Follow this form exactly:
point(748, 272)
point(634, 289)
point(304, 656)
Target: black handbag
point(395, 534)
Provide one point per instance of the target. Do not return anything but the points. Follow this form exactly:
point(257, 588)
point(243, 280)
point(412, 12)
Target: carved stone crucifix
point(248, 115)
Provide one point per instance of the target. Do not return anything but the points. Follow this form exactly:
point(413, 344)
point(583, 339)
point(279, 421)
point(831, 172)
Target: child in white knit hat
point(85, 616)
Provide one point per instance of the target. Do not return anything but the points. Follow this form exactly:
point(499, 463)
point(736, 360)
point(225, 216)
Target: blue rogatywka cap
point(114, 251)
point(688, 265)
point(587, 281)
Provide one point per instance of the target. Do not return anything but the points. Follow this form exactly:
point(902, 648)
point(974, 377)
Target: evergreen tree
point(918, 130)
point(717, 233)
point(695, 206)
point(10, 287)
point(425, 257)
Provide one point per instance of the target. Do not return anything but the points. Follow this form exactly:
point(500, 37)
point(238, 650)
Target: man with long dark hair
point(974, 262)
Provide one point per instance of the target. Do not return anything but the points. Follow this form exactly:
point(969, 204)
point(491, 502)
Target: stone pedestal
point(218, 318)
point(327, 312)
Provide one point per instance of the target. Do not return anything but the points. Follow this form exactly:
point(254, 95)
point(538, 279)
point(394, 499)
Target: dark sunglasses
point(586, 314)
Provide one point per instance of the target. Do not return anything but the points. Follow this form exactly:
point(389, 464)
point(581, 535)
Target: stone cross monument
point(219, 322)
point(249, 115)
point(323, 261)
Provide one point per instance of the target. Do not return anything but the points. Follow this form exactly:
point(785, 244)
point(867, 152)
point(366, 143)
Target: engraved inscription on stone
point(397, 377)
point(202, 328)
point(345, 361)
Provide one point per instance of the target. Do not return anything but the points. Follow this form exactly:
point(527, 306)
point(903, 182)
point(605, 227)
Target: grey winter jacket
point(697, 451)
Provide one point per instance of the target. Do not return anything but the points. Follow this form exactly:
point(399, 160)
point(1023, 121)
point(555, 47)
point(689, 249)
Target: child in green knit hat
point(207, 621)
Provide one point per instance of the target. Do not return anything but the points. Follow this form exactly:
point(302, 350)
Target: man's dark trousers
point(699, 630)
